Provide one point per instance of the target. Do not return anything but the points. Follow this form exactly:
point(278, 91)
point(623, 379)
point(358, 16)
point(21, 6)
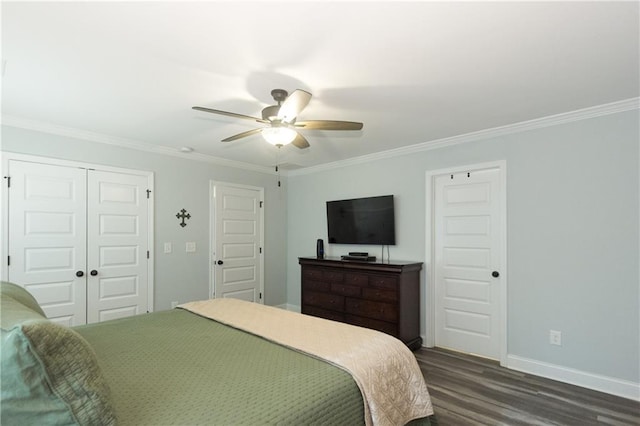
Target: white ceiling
point(412, 72)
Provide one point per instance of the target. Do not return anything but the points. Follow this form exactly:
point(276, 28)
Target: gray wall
point(572, 220)
point(179, 183)
point(572, 212)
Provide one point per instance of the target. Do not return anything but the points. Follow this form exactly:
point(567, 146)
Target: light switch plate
point(168, 247)
point(191, 247)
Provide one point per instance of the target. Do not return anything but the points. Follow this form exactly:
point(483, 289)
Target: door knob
point(79, 274)
point(495, 274)
point(93, 273)
point(219, 262)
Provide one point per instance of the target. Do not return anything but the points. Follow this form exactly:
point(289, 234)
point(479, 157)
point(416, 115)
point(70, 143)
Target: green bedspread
point(174, 367)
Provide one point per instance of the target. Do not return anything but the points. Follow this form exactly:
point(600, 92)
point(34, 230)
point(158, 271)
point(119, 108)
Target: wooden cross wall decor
point(183, 216)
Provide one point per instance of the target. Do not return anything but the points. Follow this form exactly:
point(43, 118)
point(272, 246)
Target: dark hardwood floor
point(467, 390)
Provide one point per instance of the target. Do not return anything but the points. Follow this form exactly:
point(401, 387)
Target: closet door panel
point(47, 237)
point(117, 231)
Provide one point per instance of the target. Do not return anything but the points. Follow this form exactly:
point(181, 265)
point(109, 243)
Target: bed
point(219, 362)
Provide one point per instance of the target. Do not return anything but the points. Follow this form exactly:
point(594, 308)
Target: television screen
point(362, 221)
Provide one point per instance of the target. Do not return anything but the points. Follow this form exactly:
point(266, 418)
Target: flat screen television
point(362, 221)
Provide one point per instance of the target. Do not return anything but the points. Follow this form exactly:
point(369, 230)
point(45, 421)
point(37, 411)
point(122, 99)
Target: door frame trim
point(212, 237)
point(430, 322)
point(4, 208)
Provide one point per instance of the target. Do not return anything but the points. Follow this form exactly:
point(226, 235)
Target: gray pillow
point(49, 373)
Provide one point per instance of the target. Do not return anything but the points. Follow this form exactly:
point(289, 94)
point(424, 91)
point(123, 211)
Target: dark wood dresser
point(381, 296)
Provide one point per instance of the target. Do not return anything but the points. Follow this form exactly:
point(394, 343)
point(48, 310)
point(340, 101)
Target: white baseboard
point(610, 385)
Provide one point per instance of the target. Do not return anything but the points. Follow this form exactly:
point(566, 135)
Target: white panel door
point(47, 237)
point(117, 231)
point(237, 257)
point(467, 227)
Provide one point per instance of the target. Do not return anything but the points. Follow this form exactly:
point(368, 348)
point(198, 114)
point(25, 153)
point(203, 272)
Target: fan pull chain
point(277, 162)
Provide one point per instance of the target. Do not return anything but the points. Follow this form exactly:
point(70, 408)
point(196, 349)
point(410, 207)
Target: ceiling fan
point(282, 127)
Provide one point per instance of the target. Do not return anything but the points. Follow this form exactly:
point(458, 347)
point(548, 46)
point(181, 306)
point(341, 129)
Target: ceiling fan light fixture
point(278, 135)
point(281, 120)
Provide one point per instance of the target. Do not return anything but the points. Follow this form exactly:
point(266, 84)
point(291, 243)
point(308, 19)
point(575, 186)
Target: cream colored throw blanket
point(392, 385)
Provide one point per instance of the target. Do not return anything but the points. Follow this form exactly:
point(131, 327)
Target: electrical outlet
point(190, 247)
point(555, 337)
point(168, 248)
point(174, 304)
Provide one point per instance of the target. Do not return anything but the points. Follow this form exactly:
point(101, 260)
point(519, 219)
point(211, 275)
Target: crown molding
point(538, 123)
point(552, 120)
point(23, 123)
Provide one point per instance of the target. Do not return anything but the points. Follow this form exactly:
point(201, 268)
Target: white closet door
point(467, 253)
point(47, 241)
point(118, 242)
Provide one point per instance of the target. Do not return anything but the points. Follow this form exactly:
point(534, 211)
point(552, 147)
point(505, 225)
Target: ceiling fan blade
point(230, 114)
point(292, 106)
point(329, 125)
point(300, 141)
point(242, 135)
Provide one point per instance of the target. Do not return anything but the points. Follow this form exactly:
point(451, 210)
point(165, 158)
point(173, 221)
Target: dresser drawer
point(383, 281)
point(380, 295)
point(326, 275)
point(314, 285)
point(385, 327)
point(361, 280)
point(332, 276)
point(324, 300)
point(323, 313)
point(371, 309)
point(311, 273)
point(346, 290)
